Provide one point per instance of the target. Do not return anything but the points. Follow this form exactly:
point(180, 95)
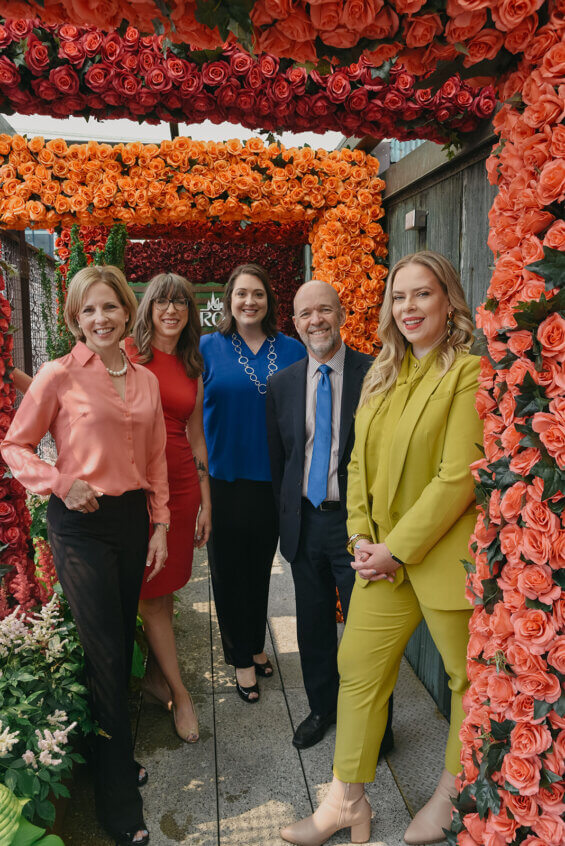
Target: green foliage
point(551, 268)
point(115, 249)
point(59, 340)
point(42, 700)
point(15, 830)
point(77, 258)
point(37, 506)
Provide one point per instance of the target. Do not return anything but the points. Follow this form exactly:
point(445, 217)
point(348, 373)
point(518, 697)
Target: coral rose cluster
point(69, 70)
point(422, 34)
point(18, 584)
point(337, 195)
point(512, 784)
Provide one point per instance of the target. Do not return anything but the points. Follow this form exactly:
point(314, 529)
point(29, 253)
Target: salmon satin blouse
point(113, 445)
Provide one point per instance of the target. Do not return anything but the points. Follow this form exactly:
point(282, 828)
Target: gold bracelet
point(354, 538)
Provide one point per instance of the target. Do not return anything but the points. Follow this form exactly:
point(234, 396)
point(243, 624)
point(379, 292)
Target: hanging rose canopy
point(68, 70)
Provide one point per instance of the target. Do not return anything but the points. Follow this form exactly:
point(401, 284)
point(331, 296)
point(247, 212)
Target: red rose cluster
point(68, 70)
point(244, 232)
point(202, 262)
point(19, 586)
point(422, 34)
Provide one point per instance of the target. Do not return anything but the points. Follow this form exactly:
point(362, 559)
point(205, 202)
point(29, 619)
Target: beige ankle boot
point(345, 806)
point(428, 824)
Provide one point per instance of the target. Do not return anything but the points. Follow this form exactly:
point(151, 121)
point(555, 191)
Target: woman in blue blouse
point(238, 360)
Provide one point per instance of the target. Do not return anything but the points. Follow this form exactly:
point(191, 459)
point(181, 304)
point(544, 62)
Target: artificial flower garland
point(419, 35)
point(69, 70)
point(338, 194)
point(512, 785)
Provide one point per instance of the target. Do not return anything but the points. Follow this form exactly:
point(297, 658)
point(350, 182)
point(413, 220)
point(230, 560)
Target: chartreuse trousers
point(380, 623)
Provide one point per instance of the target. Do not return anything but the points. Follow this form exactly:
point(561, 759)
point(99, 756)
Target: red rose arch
point(512, 780)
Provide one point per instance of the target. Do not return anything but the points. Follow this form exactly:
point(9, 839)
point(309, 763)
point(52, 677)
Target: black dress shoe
point(312, 729)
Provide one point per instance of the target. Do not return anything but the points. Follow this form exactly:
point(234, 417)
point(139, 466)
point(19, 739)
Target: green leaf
point(541, 708)
point(531, 397)
point(559, 578)
point(504, 477)
point(548, 777)
point(501, 731)
point(491, 304)
point(138, 662)
point(551, 268)
point(495, 757)
point(487, 796)
point(529, 315)
point(559, 706)
point(469, 566)
point(491, 594)
point(535, 603)
point(553, 477)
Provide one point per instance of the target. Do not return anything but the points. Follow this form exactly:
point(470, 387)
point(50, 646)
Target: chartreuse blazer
point(422, 504)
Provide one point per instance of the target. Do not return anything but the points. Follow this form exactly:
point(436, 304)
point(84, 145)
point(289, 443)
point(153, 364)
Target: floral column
point(514, 733)
point(19, 585)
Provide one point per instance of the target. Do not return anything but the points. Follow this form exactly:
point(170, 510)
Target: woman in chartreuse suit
point(411, 511)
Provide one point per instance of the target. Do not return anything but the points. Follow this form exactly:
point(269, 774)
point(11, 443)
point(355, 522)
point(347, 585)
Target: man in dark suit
point(310, 410)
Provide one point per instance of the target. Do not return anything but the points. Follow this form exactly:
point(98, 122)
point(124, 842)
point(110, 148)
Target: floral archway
point(514, 734)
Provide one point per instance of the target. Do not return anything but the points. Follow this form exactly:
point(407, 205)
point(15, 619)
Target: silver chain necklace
point(244, 361)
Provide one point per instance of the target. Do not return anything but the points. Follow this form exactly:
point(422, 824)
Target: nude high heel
point(428, 824)
point(345, 806)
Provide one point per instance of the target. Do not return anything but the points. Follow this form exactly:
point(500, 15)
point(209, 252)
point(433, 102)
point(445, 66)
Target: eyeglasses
point(178, 303)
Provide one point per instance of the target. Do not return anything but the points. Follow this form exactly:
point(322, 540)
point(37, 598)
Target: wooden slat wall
point(457, 200)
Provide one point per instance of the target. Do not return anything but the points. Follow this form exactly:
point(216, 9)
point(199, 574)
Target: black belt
point(326, 505)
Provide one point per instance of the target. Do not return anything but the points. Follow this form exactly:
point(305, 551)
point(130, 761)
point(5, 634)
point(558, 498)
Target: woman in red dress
point(165, 339)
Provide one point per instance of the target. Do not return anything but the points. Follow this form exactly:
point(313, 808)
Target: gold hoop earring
point(450, 324)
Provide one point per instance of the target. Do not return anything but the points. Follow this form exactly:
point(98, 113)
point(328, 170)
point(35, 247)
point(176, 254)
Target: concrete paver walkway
point(243, 780)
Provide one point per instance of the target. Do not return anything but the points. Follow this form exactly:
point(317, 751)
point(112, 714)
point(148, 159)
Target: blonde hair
point(385, 369)
point(83, 280)
point(170, 285)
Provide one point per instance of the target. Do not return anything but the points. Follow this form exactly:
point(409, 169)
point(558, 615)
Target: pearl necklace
point(244, 361)
point(124, 369)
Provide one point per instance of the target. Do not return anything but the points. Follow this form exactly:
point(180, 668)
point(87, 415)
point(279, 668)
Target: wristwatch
point(166, 525)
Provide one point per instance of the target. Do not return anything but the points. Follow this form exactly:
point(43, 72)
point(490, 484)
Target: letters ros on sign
point(212, 314)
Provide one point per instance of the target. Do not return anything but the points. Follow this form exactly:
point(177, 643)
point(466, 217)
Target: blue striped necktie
point(318, 475)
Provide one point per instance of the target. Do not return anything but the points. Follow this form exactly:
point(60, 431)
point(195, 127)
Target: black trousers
point(241, 548)
point(322, 563)
point(100, 559)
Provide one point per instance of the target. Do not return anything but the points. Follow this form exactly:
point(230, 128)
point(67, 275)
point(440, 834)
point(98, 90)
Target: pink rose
point(522, 773)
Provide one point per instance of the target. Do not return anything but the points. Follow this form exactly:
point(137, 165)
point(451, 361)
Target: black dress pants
point(100, 559)
point(241, 548)
point(322, 563)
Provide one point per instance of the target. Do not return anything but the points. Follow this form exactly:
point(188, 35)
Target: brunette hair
point(170, 285)
point(83, 280)
point(269, 323)
point(386, 367)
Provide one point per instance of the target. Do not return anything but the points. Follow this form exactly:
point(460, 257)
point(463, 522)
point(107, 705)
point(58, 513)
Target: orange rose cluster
point(512, 785)
point(420, 33)
point(337, 195)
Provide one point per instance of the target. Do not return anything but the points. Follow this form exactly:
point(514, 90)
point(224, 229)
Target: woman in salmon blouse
point(411, 511)
point(166, 336)
point(110, 478)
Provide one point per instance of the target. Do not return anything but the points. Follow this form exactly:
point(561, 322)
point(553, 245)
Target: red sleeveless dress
point(178, 397)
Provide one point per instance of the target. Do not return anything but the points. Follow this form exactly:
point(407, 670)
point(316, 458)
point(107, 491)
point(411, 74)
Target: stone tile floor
point(243, 780)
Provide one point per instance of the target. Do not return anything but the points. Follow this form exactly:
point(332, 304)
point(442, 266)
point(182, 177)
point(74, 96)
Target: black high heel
point(265, 669)
point(245, 692)
point(126, 838)
point(141, 779)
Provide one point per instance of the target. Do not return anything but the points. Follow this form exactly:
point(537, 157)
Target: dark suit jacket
point(286, 425)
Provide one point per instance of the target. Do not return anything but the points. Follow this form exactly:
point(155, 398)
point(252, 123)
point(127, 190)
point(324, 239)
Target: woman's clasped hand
point(373, 561)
